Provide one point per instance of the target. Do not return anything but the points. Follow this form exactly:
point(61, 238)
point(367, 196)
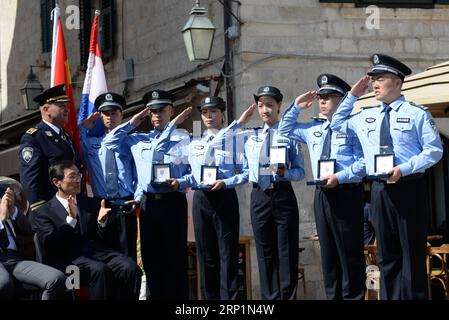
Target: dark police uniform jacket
point(41, 147)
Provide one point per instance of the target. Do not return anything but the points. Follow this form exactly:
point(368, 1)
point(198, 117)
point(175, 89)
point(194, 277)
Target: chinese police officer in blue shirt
point(44, 144)
point(339, 201)
point(112, 174)
point(400, 141)
point(215, 205)
point(163, 209)
point(273, 162)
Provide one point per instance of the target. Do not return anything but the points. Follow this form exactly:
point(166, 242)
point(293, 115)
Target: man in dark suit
point(71, 230)
point(14, 268)
point(44, 144)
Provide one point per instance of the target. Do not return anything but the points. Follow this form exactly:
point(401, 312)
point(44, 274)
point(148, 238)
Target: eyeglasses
point(74, 177)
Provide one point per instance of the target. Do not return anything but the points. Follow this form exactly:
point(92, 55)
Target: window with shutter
point(106, 29)
point(47, 24)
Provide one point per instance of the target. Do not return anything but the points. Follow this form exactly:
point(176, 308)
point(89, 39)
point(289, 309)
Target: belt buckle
point(158, 196)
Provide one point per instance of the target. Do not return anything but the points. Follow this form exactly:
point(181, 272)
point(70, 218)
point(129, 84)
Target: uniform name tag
point(341, 136)
point(403, 120)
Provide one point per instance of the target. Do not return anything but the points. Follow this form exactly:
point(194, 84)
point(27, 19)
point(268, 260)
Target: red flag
point(60, 74)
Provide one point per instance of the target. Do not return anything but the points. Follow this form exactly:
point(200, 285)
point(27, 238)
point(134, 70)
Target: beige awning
point(429, 88)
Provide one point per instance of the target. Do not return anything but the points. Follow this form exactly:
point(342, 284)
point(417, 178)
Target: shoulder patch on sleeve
point(27, 154)
point(418, 106)
point(32, 131)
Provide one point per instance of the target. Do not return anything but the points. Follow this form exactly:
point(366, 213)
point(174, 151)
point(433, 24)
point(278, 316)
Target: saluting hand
point(72, 207)
point(138, 118)
point(104, 212)
point(4, 208)
point(217, 185)
point(395, 175)
point(247, 114)
point(305, 100)
point(182, 116)
point(90, 121)
point(360, 87)
point(332, 181)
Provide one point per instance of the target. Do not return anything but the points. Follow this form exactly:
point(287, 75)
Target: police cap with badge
point(386, 64)
point(269, 91)
point(157, 99)
point(110, 100)
point(329, 83)
point(55, 94)
point(212, 102)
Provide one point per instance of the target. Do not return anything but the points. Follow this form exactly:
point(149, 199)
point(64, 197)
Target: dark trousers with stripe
point(216, 221)
point(163, 239)
point(339, 223)
point(275, 221)
point(400, 218)
point(122, 231)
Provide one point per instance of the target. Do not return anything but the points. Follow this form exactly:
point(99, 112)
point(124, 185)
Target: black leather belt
point(274, 185)
point(162, 196)
point(342, 186)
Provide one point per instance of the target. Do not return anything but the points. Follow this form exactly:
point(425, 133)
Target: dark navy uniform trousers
point(216, 221)
point(275, 221)
point(339, 223)
point(400, 218)
point(163, 240)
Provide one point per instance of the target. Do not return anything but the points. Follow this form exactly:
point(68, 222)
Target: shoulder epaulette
point(32, 131)
point(254, 128)
point(353, 114)
point(418, 105)
point(319, 119)
point(369, 107)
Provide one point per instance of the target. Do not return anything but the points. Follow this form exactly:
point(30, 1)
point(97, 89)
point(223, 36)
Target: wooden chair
point(437, 268)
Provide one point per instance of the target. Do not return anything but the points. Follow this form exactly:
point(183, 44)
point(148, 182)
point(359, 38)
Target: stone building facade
point(285, 43)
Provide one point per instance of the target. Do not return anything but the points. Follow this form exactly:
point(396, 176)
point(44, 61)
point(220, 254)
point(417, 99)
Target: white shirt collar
point(57, 129)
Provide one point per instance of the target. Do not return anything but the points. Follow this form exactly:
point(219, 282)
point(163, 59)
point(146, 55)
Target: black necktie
point(326, 151)
point(268, 143)
point(4, 241)
point(385, 142)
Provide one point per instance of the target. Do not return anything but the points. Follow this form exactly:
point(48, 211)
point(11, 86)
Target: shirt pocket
point(402, 132)
point(370, 134)
point(146, 154)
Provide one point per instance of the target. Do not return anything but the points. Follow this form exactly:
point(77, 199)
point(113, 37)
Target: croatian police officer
point(163, 215)
point(400, 141)
point(112, 174)
point(274, 209)
point(339, 202)
point(215, 204)
point(44, 144)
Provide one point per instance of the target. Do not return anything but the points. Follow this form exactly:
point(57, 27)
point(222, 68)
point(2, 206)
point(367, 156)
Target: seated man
point(14, 268)
point(71, 229)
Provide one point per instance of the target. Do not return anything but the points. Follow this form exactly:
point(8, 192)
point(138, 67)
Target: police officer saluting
point(273, 162)
point(215, 172)
point(400, 141)
point(163, 204)
point(112, 174)
point(338, 169)
point(43, 145)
